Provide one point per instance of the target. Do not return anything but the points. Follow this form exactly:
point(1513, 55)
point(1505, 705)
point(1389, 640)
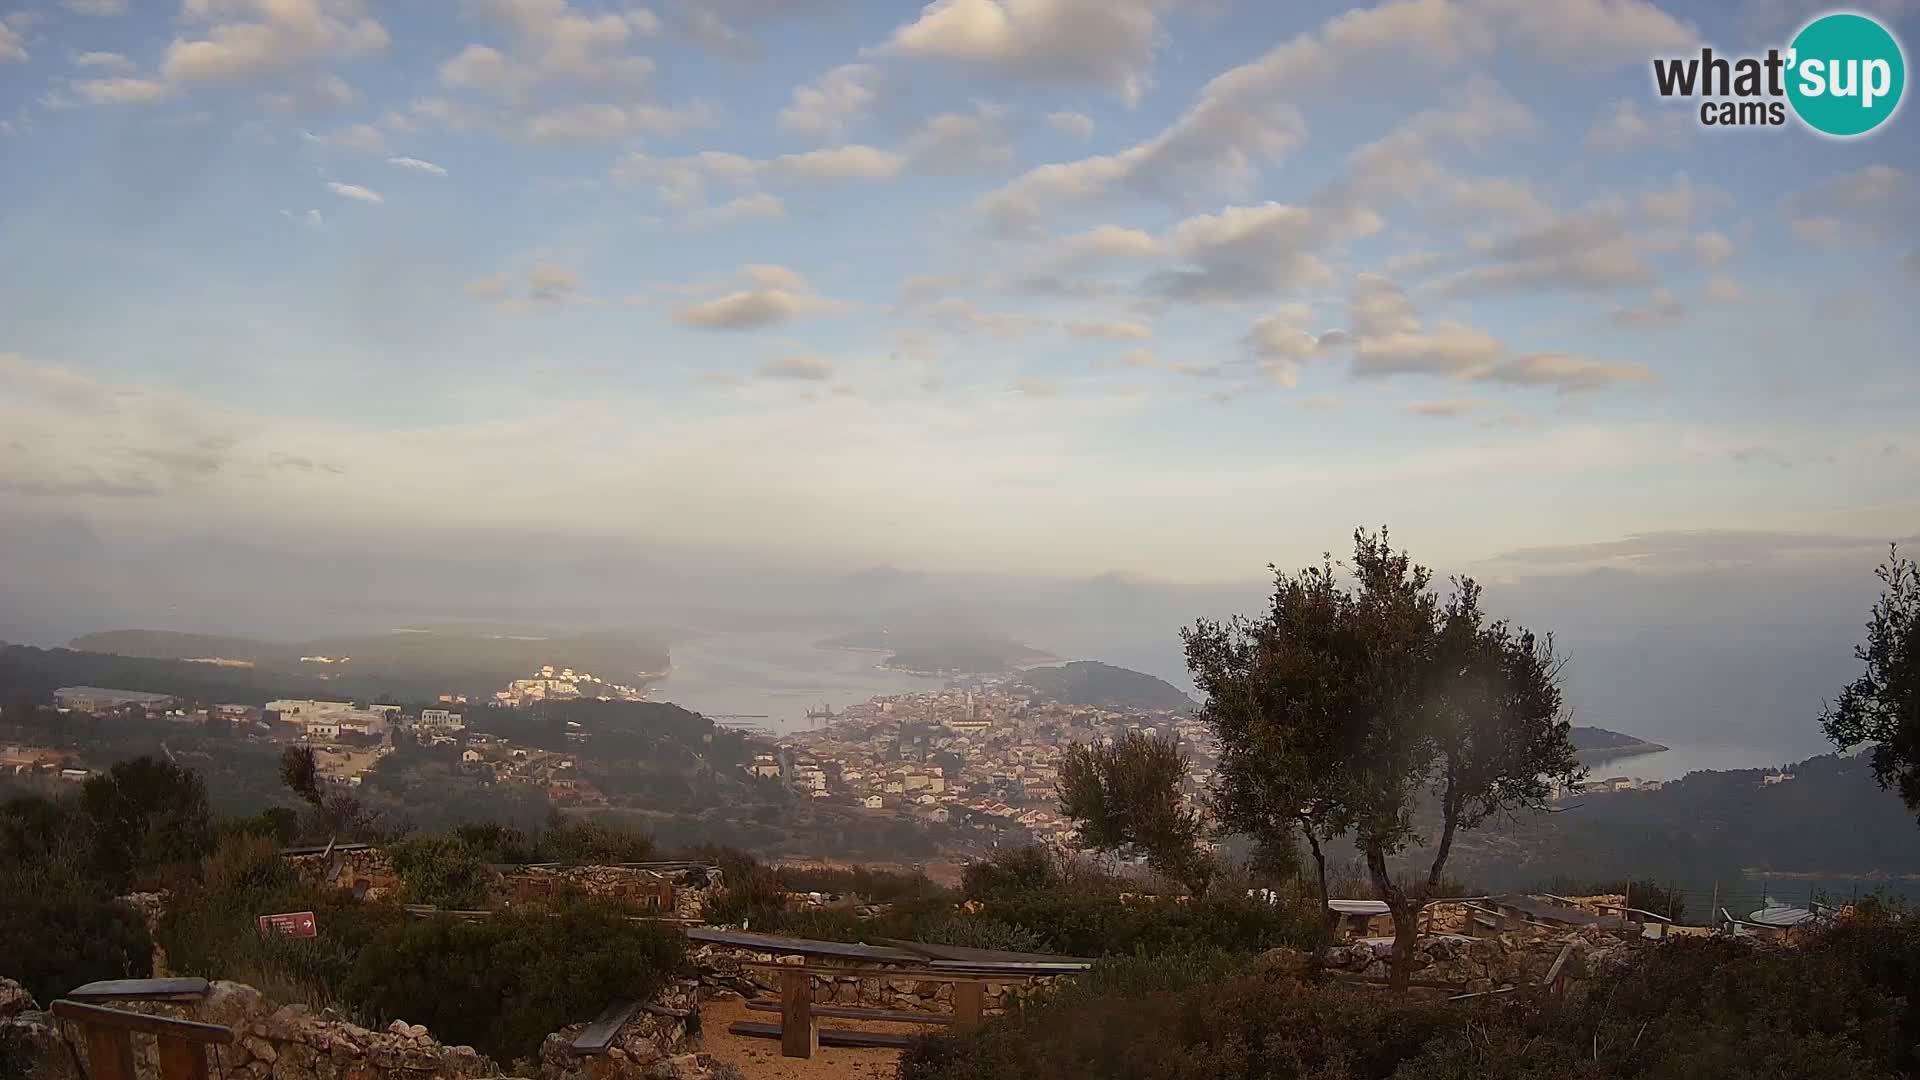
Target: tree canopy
point(1124, 796)
point(1882, 706)
point(1351, 701)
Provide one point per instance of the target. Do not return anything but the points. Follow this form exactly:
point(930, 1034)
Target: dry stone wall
point(723, 969)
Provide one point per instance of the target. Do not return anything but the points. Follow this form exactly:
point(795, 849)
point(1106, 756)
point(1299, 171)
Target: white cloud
point(1067, 122)
point(1387, 338)
point(774, 294)
point(1440, 410)
point(354, 191)
point(413, 164)
point(1246, 117)
point(249, 38)
point(1111, 242)
point(1568, 373)
point(1280, 342)
point(121, 91)
point(824, 108)
point(13, 49)
point(1246, 252)
point(357, 138)
point(1116, 330)
point(759, 206)
point(1862, 206)
point(1724, 290)
point(111, 60)
point(1625, 126)
point(1592, 249)
point(851, 162)
point(804, 367)
point(1662, 307)
point(1712, 247)
point(601, 122)
point(553, 41)
point(960, 141)
point(99, 9)
point(1106, 43)
point(551, 283)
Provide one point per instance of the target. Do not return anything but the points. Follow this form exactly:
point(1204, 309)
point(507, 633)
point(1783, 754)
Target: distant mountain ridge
point(414, 661)
point(952, 652)
point(1097, 685)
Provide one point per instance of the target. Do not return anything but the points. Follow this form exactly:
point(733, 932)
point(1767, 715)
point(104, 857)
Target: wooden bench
point(828, 1036)
point(141, 990)
point(845, 1012)
point(108, 1034)
point(800, 1036)
point(597, 1037)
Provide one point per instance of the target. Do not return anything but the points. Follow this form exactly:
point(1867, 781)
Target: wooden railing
point(108, 1036)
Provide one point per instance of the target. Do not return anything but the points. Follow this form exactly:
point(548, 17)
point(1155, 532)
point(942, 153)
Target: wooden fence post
point(799, 1037)
point(967, 1000)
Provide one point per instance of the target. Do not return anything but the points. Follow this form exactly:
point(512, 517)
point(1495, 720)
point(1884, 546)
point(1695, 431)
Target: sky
point(757, 296)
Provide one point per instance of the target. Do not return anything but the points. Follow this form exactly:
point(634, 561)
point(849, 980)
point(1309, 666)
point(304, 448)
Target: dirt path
point(760, 1059)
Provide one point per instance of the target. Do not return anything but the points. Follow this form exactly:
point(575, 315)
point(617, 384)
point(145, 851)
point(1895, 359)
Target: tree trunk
point(1326, 913)
point(1405, 921)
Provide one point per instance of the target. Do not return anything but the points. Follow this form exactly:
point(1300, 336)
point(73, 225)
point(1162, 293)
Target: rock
point(260, 1049)
point(15, 1000)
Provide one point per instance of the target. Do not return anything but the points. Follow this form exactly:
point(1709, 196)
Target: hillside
point(1091, 683)
point(407, 663)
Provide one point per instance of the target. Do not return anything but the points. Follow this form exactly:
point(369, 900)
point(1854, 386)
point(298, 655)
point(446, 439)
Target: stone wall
point(722, 970)
point(657, 1044)
point(681, 892)
point(294, 1043)
point(1513, 958)
point(371, 865)
point(668, 890)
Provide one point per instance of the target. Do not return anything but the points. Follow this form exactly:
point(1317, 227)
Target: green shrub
point(1011, 872)
point(502, 983)
point(1836, 1008)
point(441, 870)
point(56, 934)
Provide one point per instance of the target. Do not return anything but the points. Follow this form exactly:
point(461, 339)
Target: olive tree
point(1124, 796)
point(1882, 706)
point(1357, 705)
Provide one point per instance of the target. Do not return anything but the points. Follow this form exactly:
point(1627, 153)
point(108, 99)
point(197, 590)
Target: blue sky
point(1057, 287)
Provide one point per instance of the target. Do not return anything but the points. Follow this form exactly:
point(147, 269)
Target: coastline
point(1601, 754)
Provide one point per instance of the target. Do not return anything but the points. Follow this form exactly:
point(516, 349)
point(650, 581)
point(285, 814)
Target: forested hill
point(1091, 683)
point(1830, 821)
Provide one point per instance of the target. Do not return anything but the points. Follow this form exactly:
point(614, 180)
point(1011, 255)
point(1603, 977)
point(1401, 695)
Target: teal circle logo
point(1845, 74)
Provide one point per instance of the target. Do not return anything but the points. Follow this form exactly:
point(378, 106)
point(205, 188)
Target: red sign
point(292, 924)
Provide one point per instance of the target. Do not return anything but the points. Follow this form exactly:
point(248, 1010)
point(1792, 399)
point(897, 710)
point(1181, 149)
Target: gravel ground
point(760, 1059)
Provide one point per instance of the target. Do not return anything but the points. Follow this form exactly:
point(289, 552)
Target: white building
point(307, 709)
point(874, 802)
point(440, 720)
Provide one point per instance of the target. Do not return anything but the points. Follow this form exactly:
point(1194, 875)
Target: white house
point(874, 802)
point(440, 720)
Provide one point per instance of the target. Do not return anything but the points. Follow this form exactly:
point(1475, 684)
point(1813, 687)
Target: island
point(1104, 686)
point(942, 652)
point(1592, 744)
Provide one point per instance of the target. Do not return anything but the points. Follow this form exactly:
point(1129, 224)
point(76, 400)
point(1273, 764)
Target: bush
point(1011, 872)
point(500, 984)
point(1837, 1008)
point(1081, 923)
point(442, 871)
point(212, 929)
point(58, 934)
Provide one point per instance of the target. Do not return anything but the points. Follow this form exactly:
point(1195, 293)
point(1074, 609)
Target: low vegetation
point(1837, 1007)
